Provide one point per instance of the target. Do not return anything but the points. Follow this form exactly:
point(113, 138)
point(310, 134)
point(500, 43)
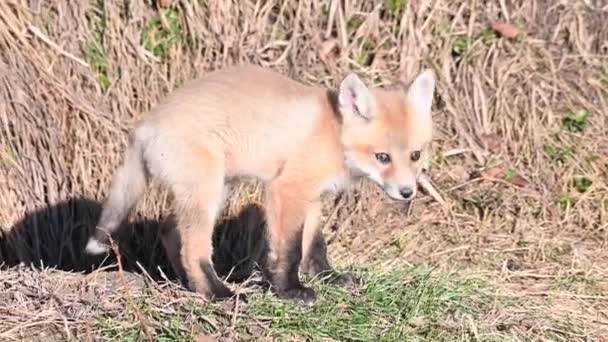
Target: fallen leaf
point(518, 180)
point(509, 175)
point(330, 50)
point(205, 338)
point(164, 3)
point(494, 173)
point(505, 29)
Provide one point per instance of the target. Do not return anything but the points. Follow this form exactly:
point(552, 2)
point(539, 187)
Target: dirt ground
point(520, 153)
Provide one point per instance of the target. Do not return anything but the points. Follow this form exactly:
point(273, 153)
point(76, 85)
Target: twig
point(426, 184)
point(124, 283)
point(463, 184)
point(450, 251)
point(455, 152)
point(332, 17)
point(36, 31)
point(342, 27)
point(236, 309)
point(562, 294)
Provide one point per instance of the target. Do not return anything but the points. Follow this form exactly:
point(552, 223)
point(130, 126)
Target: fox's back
point(255, 118)
point(232, 94)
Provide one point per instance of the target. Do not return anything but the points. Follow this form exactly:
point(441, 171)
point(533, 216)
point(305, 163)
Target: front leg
point(285, 215)
point(315, 262)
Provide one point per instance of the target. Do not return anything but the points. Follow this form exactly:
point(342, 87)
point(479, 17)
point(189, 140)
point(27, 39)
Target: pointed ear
point(354, 99)
point(420, 93)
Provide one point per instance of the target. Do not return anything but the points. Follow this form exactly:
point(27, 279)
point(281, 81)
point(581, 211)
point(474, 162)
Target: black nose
point(406, 192)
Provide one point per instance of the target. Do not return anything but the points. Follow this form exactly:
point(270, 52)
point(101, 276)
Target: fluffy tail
point(128, 184)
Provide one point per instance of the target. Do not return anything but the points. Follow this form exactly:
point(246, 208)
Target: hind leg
point(169, 237)
point(195, 177)
point(197, 204)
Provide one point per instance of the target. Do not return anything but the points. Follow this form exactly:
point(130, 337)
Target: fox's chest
point(333, 185)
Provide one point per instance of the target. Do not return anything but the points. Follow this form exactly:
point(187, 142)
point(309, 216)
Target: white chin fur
point(94, 247)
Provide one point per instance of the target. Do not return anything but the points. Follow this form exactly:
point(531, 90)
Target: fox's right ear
point(420, 93)
point(355, 101)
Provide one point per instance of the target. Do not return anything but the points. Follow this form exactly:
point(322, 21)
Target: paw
point(231, 303)
point(301, 295)
point(345, 279)
point(96, 247)
point(221, 293)
point(214, 291)
point(218, 292)
point(333, 277)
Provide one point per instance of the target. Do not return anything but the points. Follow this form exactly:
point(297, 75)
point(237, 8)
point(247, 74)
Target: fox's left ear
point(420, 93)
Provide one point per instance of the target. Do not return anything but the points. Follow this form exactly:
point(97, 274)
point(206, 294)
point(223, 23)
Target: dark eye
point(415, 156)
point(383, 158)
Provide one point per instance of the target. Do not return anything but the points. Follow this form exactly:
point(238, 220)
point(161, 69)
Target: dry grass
point(520, 164)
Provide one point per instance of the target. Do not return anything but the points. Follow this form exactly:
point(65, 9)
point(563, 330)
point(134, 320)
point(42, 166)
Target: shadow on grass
point(56, 237)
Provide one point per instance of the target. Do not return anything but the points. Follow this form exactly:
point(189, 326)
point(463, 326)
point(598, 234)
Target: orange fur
point(302, 141)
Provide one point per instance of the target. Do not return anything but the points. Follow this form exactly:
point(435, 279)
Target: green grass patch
point(110, 330)
point(582, 183)
point(48, 18)
point(566, 201)
point(354, 23)
point(581, 282)
point(162, 33)
point(487, 36)
point(11, 153)
point(576, 122)
point(463, 45)
point(396, 7)
point(324, 15)
point(396, 306)
point(94, 52)
point(409, 304)
point(366, 56)
point(182, 321)
point(556, 153)
point(510, 174)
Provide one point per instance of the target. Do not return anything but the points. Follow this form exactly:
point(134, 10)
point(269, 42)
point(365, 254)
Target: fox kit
point(300, 141)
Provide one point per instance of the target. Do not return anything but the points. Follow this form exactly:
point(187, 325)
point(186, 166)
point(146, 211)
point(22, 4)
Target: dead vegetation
point(520, 149)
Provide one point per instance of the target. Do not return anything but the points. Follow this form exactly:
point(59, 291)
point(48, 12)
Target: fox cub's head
point(386, 134)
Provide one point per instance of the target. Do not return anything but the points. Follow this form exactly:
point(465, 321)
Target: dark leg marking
point(283, 274)
point(217, 289)
point(317, 264)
